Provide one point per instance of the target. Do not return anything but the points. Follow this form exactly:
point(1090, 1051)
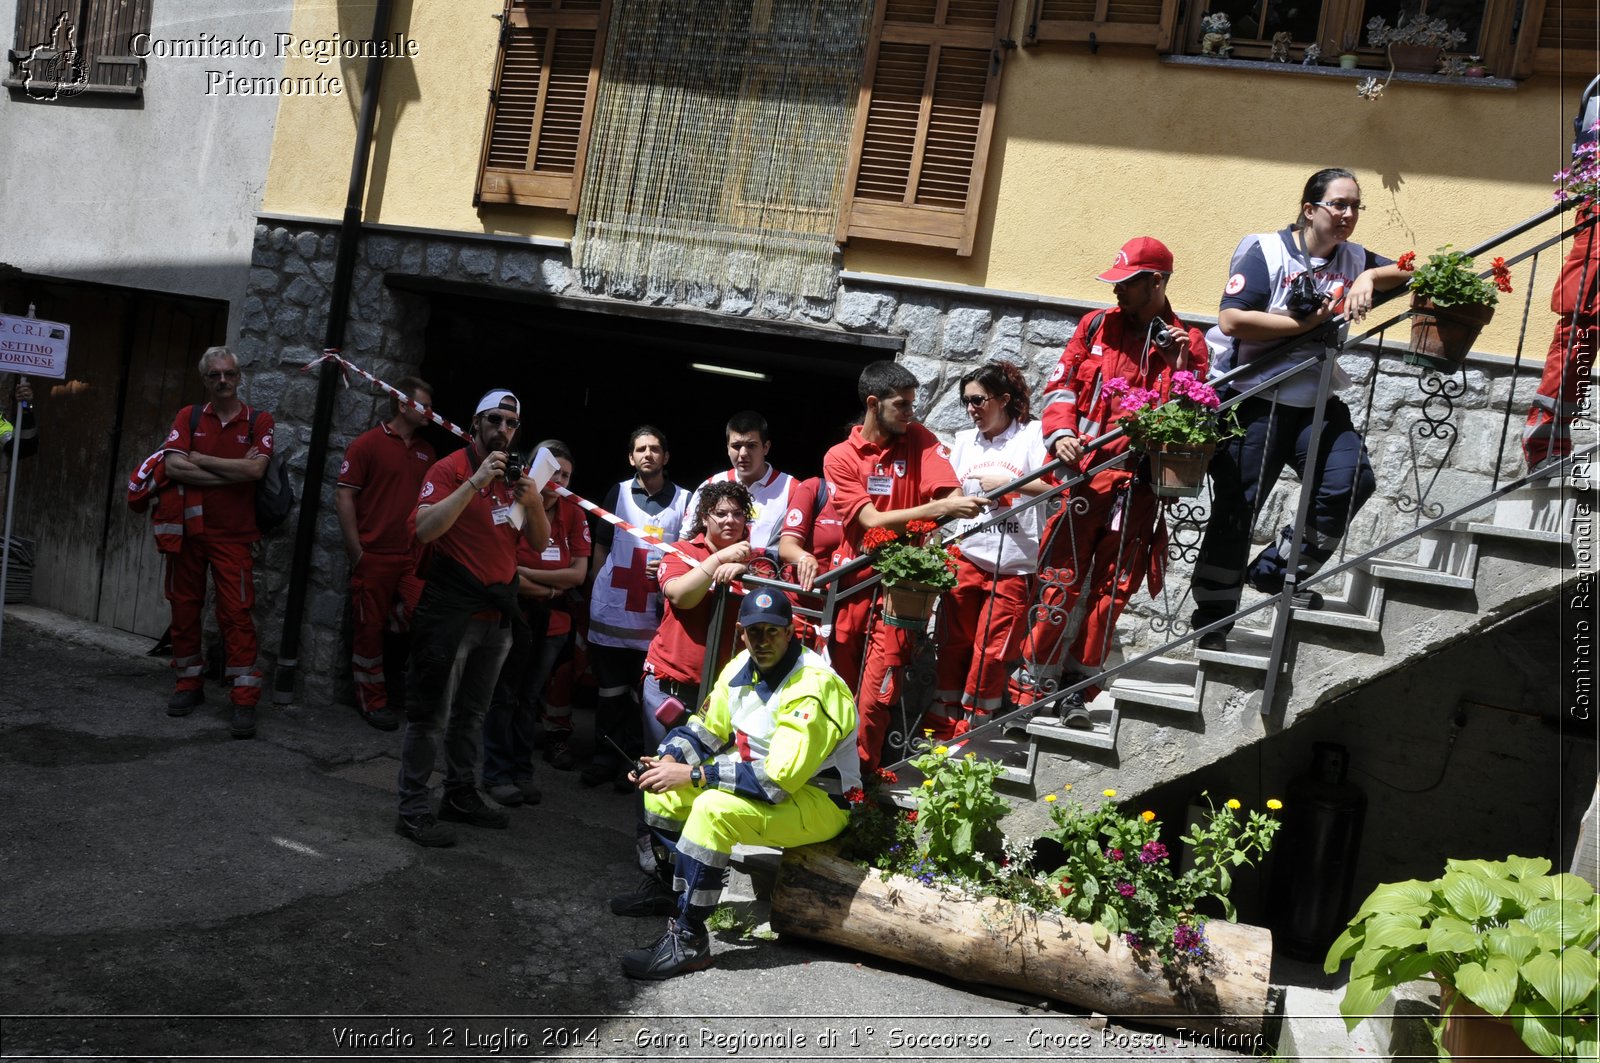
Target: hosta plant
point(1505, 934)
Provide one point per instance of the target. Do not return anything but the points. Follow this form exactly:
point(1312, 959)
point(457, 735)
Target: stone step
point(1402, 572)
point(1531, 535)
point(1247, 647)
point(1360, 608)
point(1164, 682)
point(1103, 735)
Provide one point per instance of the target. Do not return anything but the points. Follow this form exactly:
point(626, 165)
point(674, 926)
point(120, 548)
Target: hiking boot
point(507, 794)
point(1311, 600)
point(675, 952)
point(383, 718)
point(183, 702)
point(467, 807)
point(1216, 641)
point(1074, 713)
point(653, 897)
point(242, 724)
point(531, 794)
point(425, 830)
point(558, 754)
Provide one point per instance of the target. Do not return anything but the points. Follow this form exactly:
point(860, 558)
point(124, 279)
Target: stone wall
point(944, 333)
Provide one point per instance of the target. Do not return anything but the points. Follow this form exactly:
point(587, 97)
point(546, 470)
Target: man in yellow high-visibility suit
point(741, 771)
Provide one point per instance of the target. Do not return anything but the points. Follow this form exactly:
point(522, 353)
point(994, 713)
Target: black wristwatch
point(697, 778)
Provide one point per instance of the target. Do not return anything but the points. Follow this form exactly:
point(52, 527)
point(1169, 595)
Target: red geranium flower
point(855, 795)
point(877, 539)
point(920, 527)
point(886, 775)
point(911, 816)
point(1408, 261)
point(1502, 274)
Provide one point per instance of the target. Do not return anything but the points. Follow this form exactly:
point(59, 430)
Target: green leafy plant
point(1449, 278)
point(958, 813)
point(1189, 415)
point(1117, 874)
point(918, 556)
point(1505, 934)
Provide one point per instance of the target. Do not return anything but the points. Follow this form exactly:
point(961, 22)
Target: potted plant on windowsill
point(915, 567)
point(1179, 435)
point(1504, 939)
point(1414, 44)
point(1450, 305)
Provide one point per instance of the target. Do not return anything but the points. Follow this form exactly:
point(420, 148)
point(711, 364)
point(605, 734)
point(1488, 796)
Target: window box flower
point(1450, 306)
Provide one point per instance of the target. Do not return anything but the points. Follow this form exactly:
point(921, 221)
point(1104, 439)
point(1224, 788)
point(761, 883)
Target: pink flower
point(1117, 386)
point(1114, 855)
point(1152, 853)
point(1125, 888)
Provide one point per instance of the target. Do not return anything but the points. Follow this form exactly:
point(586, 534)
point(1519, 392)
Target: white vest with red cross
point(625, 608)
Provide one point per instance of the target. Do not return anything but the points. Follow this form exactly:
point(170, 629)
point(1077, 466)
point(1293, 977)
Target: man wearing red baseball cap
point(1093, 559)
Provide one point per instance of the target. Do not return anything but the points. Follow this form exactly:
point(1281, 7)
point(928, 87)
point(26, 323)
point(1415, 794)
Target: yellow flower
point(1233, 802)
point(927, 782)
point(972, 756)
point(1109, 793)
point(1147, 815)
point(1067, 786)
point(1274, 804)
point(1049, 797)
point(941, 750)
point(927, 733)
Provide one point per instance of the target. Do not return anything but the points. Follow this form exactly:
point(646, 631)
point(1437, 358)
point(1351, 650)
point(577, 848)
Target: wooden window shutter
point(1558, 37)
point(543, 98)
point(103, 31)
point(1149, 22)
point(924, 121)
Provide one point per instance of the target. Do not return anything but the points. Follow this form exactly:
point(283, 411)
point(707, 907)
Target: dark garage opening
point(589, 376)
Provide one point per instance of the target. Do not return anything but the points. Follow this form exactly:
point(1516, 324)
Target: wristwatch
point(697, 778)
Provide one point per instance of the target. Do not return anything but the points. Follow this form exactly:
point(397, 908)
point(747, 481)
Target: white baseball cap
point(498, 400)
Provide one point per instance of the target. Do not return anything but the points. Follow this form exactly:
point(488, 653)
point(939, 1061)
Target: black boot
point(675, 952)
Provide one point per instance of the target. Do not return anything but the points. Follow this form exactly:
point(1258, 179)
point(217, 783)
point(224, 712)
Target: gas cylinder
point(1315, 855)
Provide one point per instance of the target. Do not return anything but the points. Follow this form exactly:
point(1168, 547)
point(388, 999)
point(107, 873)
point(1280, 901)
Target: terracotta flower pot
point(1472, 1033)
point(1178, 470)
point(1414, 58)
point(909, 605)
point(1441, 336)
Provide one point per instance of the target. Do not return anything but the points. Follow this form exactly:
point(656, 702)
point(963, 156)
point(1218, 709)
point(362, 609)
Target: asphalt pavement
point(171, 891)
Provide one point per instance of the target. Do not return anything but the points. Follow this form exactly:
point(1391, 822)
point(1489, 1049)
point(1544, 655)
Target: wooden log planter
point(821, 896)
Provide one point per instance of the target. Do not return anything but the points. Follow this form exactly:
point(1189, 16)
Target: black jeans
point(1243, 473)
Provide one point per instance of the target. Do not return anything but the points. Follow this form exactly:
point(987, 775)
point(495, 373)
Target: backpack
point(274, 491)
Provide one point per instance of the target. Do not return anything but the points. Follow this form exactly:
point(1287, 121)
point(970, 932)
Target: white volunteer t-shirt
point(1011, 546)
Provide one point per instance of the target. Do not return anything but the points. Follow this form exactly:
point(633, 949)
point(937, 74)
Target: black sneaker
point(382, 718)
point(183, 702)
point(676, 952)
point(1074, 713)
point(467, 807)
point(1216, 641)
point(558, 754)
point(653, 897)
point(425, 830)
point(242, 724)
point(1305, 600)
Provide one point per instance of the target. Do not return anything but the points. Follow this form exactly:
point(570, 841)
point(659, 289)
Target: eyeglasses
point(224, 374)
point(496, 420)
point(975, 400)
point(1339, 206)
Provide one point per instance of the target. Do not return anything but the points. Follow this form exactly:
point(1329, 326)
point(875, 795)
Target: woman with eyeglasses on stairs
point(1283, 285)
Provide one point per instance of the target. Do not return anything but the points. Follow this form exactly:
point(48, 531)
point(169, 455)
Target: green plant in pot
point(1504, 935)
point(1450, 305)
point(915, 567)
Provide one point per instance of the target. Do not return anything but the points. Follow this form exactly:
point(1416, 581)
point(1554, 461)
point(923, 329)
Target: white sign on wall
point(33, 347)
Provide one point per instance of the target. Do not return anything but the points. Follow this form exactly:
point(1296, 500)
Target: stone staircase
point(1166, 716)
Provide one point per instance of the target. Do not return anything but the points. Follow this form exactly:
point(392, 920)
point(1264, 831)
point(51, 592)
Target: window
point(66, 47)
point(924, 121)
point(545, 81)
point(1105, 21)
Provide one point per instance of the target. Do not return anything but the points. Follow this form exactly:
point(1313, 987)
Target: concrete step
point(1313, 1029)
point(1404, 572)
point(1103, 735)
point(1531, 535)
point(1247, 647)
point(1164, 682)
point(1358, 608)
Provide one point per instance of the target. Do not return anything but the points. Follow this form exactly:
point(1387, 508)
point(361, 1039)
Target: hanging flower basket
point(1441, 336)
point(909, 605)
point(1178, 470)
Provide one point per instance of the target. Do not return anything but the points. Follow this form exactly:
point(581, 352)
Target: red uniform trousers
point(979, 635)
point(1570, 360)
point(1090, 569)
point(231, 568)
point(384, 590)
point(858, 632)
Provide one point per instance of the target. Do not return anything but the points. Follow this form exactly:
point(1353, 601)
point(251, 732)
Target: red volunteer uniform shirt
point(901, 475)
point(678, 651)
point(569, 538)
point(819, 531)
point(482, 540)
point(230, 509)
point(386, 473)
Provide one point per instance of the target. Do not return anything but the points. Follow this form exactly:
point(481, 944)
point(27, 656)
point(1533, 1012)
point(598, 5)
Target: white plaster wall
point(156, 192)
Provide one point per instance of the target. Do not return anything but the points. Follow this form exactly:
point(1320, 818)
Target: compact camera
point(516, 468)
point(1161, 337)
point(1304, 298)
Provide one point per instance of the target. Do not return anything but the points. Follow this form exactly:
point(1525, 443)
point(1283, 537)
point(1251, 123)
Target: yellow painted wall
point(1089, 150)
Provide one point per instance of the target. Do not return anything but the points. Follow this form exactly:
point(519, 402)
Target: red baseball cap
point(1142, 254)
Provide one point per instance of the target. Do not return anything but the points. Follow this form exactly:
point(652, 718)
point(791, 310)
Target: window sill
point(1256, 66)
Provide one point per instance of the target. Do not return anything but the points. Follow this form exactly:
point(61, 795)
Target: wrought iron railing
point(1412, 493)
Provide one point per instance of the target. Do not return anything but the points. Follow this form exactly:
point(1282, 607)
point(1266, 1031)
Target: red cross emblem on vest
point(636, 580)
